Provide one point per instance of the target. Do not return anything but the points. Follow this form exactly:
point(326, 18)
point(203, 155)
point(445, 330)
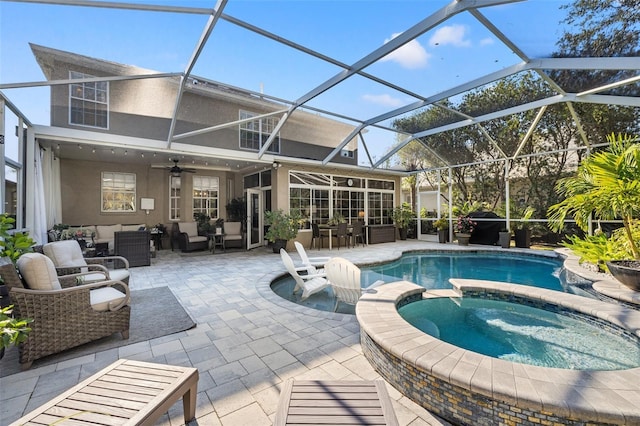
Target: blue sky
point(455, 51)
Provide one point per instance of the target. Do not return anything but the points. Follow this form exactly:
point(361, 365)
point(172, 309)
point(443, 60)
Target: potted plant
point(442, 225)
point(522, 232)
point(13, 245)
point(463, 228)
point(504, 238)
point(336, 219)
point(203, 221)
point(219, 226)
point(282, 228)
point(402, 216)
point(605, 186)
point(13, 331)
point(237, 211)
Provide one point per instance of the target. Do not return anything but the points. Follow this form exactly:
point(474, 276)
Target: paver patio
point(248, 340)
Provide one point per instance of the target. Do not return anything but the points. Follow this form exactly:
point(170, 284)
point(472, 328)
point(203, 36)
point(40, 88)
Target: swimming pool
point(466, 387)
point(523, 334)
point(434, 269)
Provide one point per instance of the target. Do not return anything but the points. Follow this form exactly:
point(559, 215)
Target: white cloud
point(487, 41)
point(450, 34)
point(412, 55)
point(386, 100)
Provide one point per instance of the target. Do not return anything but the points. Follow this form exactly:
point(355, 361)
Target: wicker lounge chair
point(68, 259)
point(189, 239)
point(344, 277)
point(63, 317)
point(309, 283)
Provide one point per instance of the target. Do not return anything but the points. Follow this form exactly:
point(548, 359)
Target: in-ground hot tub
point(465, 387)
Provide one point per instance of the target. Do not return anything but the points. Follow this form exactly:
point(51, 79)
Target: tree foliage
point(594, 28)
point(606, 185)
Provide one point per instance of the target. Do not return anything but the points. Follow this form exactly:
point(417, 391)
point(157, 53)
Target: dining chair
point(357, 233)
point(316, 234)
point(342, 234)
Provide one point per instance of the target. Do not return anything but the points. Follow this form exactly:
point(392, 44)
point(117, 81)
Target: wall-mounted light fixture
point(276, 165)
point(147, 204)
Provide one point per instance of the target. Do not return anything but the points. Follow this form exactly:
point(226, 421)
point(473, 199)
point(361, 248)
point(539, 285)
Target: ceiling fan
point(176, 170)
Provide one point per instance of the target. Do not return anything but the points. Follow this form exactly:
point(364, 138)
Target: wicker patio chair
point(189, 238)
point(68, 259)
point(135, 246)
point(63, 317)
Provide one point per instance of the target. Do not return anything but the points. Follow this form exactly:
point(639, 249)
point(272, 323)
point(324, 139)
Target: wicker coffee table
point(125, 393)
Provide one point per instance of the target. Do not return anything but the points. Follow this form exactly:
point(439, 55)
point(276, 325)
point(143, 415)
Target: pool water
point(522, 334)
point(433, 270)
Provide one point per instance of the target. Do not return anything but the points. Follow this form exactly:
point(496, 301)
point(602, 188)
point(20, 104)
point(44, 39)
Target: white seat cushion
point(65, 254)
point(133, 227)
point(189, 228)
point(107, 232)
point(114, 274)
point(102, 297)
point(196, 238)
point(38, 272)
point(118, 274)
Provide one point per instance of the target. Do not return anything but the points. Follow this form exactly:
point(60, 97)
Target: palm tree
point(607, 185)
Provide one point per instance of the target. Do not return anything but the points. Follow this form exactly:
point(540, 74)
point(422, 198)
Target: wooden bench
point(125, 393)
point(339, 402)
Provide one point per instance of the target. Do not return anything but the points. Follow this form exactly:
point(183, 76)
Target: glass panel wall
point(311, 194)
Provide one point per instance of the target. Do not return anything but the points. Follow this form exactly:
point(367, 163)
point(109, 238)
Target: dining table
point(329, 229)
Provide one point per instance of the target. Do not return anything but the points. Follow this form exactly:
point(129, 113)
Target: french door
point(255, 216)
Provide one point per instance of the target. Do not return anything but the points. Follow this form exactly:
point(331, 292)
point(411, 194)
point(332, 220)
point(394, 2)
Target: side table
point(216, 240)
point(157, 239)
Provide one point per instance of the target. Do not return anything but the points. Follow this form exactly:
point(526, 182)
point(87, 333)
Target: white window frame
point(115, 183)
point(329, 182)
point(206, 191)
point(175, 186)
point(262, 128)
point(94, 93)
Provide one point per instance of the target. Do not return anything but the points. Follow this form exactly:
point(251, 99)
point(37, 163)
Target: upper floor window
point(205, 195)
point(118, 192)
point(88, 102)
point(253, 134)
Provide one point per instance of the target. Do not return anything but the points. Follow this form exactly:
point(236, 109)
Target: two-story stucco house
point(114, 138)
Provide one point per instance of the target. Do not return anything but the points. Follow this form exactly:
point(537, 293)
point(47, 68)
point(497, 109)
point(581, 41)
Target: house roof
point(519, 37)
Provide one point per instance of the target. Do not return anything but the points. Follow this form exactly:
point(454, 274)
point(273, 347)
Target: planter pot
point(504, 238)
point(523, 238)
point(463, 239)
point(278, 244)
point(403, 233)
point(443, 235)
point(627, 272)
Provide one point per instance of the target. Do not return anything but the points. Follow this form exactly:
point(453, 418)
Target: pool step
point(442, 292)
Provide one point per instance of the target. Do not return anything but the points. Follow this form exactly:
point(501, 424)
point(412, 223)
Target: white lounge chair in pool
point(344, 277)
point(315, 262)
point(309, 283)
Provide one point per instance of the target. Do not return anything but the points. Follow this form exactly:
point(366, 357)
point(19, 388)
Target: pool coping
point(603, 283)
point(597, 396)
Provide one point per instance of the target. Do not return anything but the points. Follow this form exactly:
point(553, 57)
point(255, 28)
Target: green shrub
point(599, 248)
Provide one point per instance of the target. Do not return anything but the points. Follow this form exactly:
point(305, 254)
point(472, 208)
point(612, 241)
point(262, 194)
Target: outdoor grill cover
point(486, 232)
